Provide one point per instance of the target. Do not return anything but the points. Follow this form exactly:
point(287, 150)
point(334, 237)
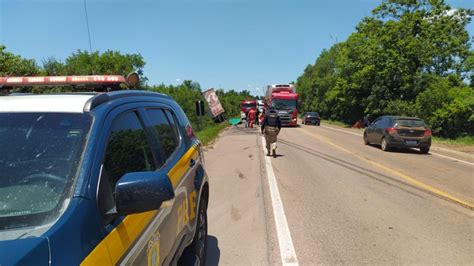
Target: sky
point(231, 44)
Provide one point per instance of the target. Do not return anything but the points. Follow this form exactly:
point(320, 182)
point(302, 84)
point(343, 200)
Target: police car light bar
point(61, 80)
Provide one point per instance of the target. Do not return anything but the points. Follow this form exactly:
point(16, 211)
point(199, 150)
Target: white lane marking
point(451, 158)
point(342, 130)
point(433, 153)
point(287, 250)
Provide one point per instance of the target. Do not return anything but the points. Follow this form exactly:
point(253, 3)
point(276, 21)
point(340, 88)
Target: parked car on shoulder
point(398, 132)
point(99, 178)
point(311, 118)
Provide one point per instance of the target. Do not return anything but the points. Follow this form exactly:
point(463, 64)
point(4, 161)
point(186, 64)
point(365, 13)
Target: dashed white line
point(433, 153)
point(287, 250)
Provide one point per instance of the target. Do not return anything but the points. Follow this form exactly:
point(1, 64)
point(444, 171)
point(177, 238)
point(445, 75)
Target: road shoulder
point(238, 216)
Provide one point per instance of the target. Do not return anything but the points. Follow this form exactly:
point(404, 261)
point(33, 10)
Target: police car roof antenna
point(88, 30)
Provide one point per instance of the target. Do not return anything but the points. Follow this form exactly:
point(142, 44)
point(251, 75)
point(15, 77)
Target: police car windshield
point(39, 156)
point(283, 104)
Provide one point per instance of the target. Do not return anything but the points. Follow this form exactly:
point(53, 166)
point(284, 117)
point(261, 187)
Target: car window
point(376, 122)
point(385, 122)
point(410, 122)
point(165, 130)
point(128, 149)
point(172, 119)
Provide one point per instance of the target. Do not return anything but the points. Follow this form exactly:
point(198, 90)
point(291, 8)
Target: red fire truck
point(284, 99)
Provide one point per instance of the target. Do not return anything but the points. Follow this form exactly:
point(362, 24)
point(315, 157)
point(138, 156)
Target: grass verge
point(466, 140)
point(336, 123)
point(210, 133)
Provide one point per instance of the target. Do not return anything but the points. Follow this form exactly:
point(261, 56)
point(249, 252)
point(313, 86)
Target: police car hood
point(26, 251)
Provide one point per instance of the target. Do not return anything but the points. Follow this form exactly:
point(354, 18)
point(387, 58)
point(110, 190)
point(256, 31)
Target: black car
point(311, 118)
point(399, 132)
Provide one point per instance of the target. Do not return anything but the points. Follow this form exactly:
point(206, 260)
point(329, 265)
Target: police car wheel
point(195, 253)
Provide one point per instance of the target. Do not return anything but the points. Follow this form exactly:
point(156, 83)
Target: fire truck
point(284, 99)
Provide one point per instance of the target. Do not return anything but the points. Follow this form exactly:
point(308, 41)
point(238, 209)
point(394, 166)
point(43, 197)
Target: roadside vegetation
point(113, 62)
point(466, 141)
point(211, 132)
point(336, 123)
point(410, 58)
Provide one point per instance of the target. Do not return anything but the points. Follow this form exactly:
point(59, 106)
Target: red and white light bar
point(62, 80)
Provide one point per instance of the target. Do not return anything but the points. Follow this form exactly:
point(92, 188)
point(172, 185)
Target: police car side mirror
point(142, 191)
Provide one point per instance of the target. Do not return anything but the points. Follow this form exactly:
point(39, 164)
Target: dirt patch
point(240, 174)
point(250, 155)
point(235, 213)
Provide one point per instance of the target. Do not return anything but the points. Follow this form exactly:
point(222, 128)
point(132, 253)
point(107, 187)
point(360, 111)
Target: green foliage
point(211, 132)
point(113, 62)
point(15, 65)
point(466, 140)
point(187, 93)
point(455, 117)
point(406, 59)
point(109, 62)
point(231, 99)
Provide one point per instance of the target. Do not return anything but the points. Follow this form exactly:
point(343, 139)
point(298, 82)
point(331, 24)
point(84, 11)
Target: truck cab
point(247, 105)
point(284, 99)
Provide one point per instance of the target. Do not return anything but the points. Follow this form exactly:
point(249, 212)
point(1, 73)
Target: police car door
point(170, 230)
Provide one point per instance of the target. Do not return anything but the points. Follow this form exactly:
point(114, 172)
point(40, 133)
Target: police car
point(99, 178)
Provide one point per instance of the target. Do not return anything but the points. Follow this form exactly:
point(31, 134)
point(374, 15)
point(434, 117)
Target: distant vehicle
point(247, 105)
point(99, 178)
point(398, 132)
point(311, 118)
point(260, 105)
point(284, 99)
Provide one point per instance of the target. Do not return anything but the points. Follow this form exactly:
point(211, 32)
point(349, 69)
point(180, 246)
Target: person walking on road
point(243, 118)
point(248, 120)
point(271, 126)
point(252, 116)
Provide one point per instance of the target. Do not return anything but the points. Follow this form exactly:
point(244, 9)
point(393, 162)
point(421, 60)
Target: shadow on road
point(278, 155)
point(399, 150)
point(213, 252)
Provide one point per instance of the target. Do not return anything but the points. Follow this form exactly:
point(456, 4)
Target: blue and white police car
point(98, 178)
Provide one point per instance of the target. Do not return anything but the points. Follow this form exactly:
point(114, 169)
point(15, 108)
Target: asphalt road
point(342, 202)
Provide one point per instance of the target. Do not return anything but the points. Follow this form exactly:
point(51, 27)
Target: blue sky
point(233, 44)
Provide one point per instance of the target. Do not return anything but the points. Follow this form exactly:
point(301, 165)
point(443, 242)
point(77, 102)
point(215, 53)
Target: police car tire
point(201, 227)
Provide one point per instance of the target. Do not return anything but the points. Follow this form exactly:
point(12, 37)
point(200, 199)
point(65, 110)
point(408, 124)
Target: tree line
point(113, 62)
point(410, 57)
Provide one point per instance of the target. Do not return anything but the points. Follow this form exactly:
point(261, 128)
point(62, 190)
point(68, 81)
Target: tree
point(107, 63)
point(15, 65)
point(54, 67)
point(395, 55)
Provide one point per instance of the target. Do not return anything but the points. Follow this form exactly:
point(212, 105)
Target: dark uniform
point(257, 116)
point(271, 126)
